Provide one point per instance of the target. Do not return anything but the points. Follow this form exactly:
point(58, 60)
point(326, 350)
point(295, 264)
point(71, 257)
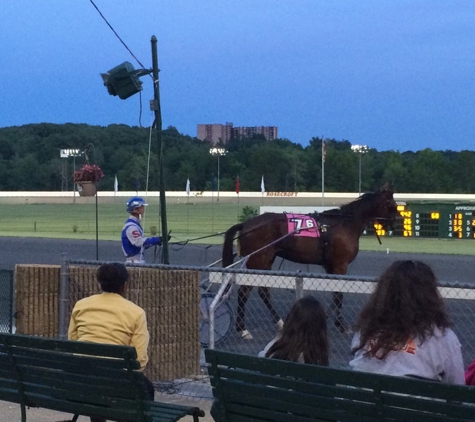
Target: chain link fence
point(218, 299)
point(285, 288)
point(6, 301)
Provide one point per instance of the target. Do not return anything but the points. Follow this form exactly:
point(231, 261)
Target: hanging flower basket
point(87, 189)
point(87, 178)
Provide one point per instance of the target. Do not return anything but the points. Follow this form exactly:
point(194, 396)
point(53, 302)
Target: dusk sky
point(393, 75)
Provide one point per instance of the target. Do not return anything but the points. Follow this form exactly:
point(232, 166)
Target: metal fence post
point(298, 287)
point(12, 309)
point(227, 280)
point(63, 298)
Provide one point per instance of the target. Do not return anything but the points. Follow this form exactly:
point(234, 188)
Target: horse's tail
point(228, 256)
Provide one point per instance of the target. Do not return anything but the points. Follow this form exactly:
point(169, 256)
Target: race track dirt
point(16, 250)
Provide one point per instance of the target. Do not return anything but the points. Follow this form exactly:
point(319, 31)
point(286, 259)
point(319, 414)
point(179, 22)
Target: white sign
point(64, 153)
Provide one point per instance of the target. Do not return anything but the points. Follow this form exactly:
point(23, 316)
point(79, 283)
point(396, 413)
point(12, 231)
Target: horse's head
point(387, 208)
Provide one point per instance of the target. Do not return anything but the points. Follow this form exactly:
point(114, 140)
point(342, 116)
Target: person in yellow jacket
point(110, 318)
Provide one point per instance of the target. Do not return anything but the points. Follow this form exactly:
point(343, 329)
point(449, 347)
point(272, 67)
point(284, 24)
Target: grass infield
point(196, 223)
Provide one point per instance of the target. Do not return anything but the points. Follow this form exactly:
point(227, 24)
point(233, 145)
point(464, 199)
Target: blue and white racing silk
point(133, 241)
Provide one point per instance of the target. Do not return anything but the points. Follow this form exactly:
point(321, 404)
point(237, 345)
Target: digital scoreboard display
point(462, 222)
point(426, 224)
point(406, 216)
point(431, 220)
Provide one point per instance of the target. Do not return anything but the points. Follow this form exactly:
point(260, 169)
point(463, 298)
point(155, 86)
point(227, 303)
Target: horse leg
point(264, 294)
point(243, 296)
point(336, 306)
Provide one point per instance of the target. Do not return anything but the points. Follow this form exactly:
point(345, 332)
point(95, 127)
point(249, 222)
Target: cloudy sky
point(393, 74)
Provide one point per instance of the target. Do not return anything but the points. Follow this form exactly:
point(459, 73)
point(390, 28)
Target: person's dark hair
point(112, 277)
point(304, 333)
point(405, 304)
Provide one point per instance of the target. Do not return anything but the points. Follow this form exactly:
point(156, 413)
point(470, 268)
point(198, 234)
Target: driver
point(133, 241)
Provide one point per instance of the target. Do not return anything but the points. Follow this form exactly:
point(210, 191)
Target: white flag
point(116, 184)
point(263, 189)
point(188, 187)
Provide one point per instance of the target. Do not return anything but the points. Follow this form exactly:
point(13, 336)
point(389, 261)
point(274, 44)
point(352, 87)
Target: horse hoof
point(279, 324)
point(245, 335)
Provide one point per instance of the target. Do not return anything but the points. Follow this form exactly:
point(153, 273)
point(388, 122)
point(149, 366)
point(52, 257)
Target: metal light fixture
point(359, 149)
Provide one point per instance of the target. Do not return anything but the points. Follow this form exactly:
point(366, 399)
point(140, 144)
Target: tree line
point(30, 161)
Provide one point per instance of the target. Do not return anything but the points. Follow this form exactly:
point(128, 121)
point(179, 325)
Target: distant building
point(214, 133)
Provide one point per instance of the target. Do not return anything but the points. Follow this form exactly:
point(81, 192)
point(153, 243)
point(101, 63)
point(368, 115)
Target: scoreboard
point(437, 220)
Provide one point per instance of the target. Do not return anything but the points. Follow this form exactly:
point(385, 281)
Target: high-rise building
point(216, 133)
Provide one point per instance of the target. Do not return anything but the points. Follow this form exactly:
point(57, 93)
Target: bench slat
point(8, 372)
point(87, 409)
point(52, 377)
point(93, 395)
point(401, 404)
point(93, 390)
point(79, 347)
point(10, 394)
point(73, 361)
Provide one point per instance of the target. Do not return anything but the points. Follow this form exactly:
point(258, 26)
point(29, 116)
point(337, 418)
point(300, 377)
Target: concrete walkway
point(11, 412)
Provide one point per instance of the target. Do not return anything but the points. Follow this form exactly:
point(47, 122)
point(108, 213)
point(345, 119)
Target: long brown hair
point(405, 304)
point(304, 334)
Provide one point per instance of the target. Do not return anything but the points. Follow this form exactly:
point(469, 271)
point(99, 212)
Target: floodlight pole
point(360, 150)
point(219, 152)
point(158, 129)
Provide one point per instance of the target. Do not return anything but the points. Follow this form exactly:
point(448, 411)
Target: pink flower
point(88, 173)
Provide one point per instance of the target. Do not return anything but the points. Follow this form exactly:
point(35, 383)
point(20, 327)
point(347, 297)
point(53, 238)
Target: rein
point(273, 242)
point(379, 239)
point(375, 233)
point(184, 242)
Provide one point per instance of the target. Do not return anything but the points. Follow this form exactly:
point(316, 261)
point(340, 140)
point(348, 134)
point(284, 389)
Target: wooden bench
point(79, 378)
point(249, 388)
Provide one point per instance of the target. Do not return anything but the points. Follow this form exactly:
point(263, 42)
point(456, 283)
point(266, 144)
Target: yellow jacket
point(110, 318)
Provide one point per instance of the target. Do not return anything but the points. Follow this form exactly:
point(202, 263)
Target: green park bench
point(248, 388)
point(79, 378)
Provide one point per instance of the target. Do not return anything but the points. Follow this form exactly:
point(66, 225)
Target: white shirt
point(262, 353)
point(438, 358)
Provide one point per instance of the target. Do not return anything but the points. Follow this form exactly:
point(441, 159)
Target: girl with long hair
point(304, 336)
point(404, 328)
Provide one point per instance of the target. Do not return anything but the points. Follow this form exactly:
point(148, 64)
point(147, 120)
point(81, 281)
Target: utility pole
point(123, 81)
point(158, 128)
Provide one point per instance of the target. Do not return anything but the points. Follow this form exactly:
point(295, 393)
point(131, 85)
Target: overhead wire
point(140, 110)
point(116, 34)
point(129, 50)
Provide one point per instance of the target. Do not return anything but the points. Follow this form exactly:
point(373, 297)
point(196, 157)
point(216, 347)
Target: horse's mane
point(363, 200)
point(352, 207)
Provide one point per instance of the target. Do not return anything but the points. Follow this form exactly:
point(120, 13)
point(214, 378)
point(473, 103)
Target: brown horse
point(334, 250)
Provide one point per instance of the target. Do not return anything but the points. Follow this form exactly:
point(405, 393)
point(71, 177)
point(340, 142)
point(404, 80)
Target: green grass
point(78, 221)
point(197, 223)
point(411, 245)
